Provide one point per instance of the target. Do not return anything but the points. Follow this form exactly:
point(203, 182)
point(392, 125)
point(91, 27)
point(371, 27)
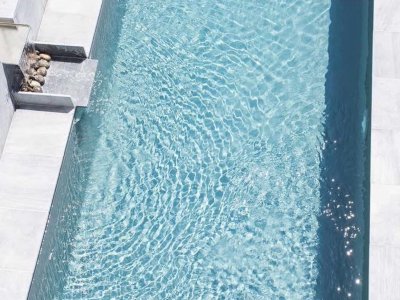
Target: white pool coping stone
point(384, 261)
point(12, 42)
point(43, 101)
point(29, 169)
point(39, 131)
point(75, 79)
point(69, 24)
point(8, 10)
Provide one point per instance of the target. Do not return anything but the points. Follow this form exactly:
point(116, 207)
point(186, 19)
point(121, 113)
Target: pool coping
point(384, 249)
point(34, 149)
point(29, 170)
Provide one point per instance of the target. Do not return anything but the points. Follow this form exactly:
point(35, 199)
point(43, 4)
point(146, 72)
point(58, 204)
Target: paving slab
point(13, 284)
point(7, 10)
point(12, 42)
point(70, 23)
point(27, 12)
point(385, 275)
point(28, 129)
point(385, 166)
point(21, 235)
point(385, 216)
point(387, 107)
point(384, 260)
point(29, 168)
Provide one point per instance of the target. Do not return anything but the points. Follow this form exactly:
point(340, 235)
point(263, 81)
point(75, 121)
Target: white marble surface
point(70, 22)
point(7, 10)
point(6, 109)
point(386, 54)
point(384, 262)
point(64, 77)
point(387, 106)
point(385, 168)
point(385, 215)
point(12, 43)
point(28, 12)
point(29, 169)
point(387, 15)
point(27, 99)
point(31, 14)
point(384, 274)
point(13, 283)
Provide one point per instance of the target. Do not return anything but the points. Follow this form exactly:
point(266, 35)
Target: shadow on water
point(52, 267)
point(343, 231)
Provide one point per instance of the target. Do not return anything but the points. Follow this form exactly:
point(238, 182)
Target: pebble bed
point(34, 76)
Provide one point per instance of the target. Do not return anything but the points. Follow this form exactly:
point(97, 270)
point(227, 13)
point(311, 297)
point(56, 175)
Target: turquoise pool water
point(202, 168)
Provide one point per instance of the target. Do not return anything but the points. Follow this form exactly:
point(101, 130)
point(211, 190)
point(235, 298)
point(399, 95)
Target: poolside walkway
point(384, 273)
point(29, 169)
point(34, 149)
point(70, 23)
point(8, 10)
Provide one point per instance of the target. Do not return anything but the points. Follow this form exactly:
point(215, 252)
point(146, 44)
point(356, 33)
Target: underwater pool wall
point(344, 220)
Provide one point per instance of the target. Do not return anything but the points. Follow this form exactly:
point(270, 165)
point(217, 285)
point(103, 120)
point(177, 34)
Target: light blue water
point(195, 172)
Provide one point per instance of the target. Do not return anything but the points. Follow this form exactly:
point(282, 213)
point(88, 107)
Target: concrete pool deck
point(70, 23)
point(7, 10)
point(29, 169)
point(35, 135)
point(384, 269)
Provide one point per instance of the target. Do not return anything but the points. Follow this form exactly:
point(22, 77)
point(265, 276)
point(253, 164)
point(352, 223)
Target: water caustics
point(196, 171)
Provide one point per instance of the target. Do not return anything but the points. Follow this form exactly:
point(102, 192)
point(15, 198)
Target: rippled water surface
point(196, 171)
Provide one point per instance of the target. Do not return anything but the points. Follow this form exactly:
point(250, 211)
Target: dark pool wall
point(51, 269)
point(343, 232)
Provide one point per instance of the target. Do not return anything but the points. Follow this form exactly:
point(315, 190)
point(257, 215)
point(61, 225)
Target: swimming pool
point(224, 156)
